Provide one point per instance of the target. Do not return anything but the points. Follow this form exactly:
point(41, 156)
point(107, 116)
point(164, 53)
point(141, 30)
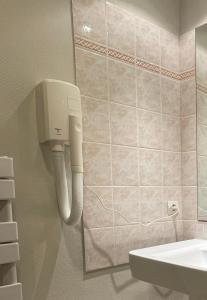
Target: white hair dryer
point(59, 120)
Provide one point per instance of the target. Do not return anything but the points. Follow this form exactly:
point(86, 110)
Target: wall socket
point(172, 207)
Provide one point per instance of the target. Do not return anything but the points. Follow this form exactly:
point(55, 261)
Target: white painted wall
point(36, 42)
point(193, 14)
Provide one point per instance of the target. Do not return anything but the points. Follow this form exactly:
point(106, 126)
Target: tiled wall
point(192, 228)
point(201, 59)
point(188, 129)
point(128, 71)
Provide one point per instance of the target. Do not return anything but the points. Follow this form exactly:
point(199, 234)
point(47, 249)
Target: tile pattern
point(201, 131)
point(127, 58)
point(202, 88)
point(131, 86)
point(191, 227)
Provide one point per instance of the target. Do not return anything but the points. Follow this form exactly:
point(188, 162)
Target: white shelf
point(9, 253)
point(11, 292)
point(8, 232)
point(7, 189)
point(6, 167)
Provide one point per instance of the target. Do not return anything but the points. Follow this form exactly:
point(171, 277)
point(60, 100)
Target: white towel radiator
point(10, 289)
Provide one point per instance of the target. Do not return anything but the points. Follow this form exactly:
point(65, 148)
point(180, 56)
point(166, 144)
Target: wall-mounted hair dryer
point(60, 123)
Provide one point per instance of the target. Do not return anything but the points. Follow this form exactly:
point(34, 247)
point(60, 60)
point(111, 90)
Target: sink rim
point(151, 253)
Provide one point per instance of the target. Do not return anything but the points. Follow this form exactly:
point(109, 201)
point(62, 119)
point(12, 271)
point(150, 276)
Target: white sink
point(180, 266)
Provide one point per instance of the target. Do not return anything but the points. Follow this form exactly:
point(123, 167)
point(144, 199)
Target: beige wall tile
point(188, 97)
point(187, 51)
point(91, 74)
point(126, 200)
point(150, 129)
point(170, 96)
point(172, 231)
point(150, 167)
point(124, 166)
point(144, 108)
point(188, 130)
point(202, 171)
point(189, 198)
point(204, 231)
point(97, 164)
point(201, 139)
point(171, 133)
point(123, 125)
point(202, 203)
point(189, 229)
point(179, 230)
point(201, 61)
point(99, 248)
point(151, 203)
point(94, 214)
point(152, 235)
point(169, 50)
point(172, 169)
point(95, 120)
point(90, 19)
point(194, 229)
point(189, 169)
point(127, 239)
point(122, 82)
point(201, 107)
point(147, 41)
point(121, 29)
point(200, 230)
point(148, 90)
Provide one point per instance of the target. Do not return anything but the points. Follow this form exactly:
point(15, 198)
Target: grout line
point(110, 134)
point(135, 147)
point(135, 107)
point(138, 186)
point(138, 141)
point(139, 223)
point(162, 136)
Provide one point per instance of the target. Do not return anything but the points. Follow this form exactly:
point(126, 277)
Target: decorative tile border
point(201, 88)
point(121, 56)
point(86, 44)
point(187, 74)
point(170, 74)
point(115, 54)
point(147, 66)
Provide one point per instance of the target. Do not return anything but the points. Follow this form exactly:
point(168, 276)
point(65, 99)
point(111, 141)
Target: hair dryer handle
point(75, 132)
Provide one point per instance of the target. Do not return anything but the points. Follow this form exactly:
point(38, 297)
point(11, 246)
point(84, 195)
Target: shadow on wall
point(35, 205)
point(162, 292)
point(117, 287)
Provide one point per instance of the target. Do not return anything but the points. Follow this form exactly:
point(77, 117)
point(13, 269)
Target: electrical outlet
point(172, 207)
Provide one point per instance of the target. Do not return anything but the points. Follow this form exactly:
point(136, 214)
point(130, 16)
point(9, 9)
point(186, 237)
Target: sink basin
point(180, 266)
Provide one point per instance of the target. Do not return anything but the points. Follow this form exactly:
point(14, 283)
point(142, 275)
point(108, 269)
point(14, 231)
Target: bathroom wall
point(36, 42)
point(192, 14)
point(191, 17)
point(128, 73)
point(201, 59)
